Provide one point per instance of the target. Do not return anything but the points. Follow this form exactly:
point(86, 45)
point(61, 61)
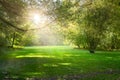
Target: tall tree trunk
point(13, 39)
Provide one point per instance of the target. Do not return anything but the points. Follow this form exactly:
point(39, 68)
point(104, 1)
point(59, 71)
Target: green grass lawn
point(60, 61)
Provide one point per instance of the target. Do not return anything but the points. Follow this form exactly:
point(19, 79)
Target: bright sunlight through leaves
point(36, 18)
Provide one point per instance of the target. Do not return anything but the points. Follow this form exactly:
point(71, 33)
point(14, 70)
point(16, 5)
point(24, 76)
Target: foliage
point(10, 19)
point(88, 24)
point(96, 20)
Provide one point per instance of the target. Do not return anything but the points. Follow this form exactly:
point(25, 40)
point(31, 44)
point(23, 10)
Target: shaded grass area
point(56, 61)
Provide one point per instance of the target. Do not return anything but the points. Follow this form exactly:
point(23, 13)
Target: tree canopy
point(91, 24)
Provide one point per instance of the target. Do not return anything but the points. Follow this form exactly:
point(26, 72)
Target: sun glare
point(36, 18)
point(41, 27)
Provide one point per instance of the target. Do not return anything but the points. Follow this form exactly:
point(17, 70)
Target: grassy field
point(60, 63)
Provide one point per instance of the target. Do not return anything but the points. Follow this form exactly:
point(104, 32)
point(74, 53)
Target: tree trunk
point(13, 39)
point(92, 51)
point(78, 46)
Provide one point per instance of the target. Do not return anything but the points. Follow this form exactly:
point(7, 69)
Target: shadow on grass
point(30, 67)
point(43, 63)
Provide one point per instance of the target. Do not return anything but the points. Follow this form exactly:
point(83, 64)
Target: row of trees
point(91, 24)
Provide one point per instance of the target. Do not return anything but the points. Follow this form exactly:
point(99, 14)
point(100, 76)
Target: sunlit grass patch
point(53, 61)
point(35, 55)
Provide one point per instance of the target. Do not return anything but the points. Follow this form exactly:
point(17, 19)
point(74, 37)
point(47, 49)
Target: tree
point(95, 18)
point(10, 17)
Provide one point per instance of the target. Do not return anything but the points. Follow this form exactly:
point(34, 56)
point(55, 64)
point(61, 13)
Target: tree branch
point(10, 24)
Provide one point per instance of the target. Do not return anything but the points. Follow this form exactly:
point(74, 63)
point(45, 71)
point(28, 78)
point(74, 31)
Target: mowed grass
point(55, 61)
